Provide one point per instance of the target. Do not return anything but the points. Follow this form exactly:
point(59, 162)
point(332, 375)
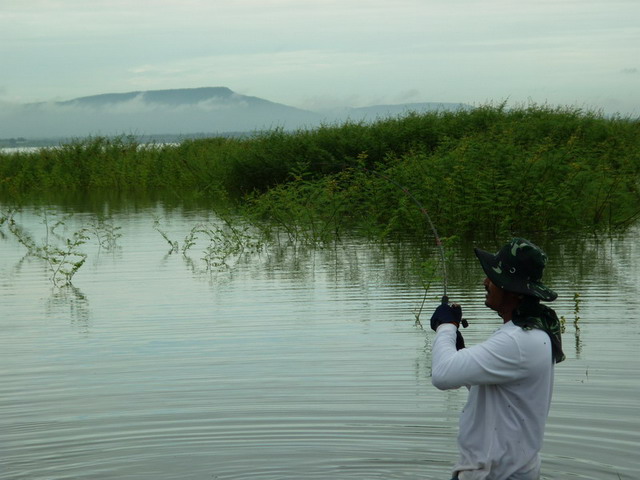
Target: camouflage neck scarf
point(532, 314)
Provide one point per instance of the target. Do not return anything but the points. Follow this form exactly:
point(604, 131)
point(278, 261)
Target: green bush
point(487, 170)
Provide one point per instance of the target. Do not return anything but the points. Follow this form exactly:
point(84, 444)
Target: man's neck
point(506, 313)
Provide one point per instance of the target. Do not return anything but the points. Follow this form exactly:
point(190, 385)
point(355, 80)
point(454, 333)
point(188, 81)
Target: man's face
point(496, 298)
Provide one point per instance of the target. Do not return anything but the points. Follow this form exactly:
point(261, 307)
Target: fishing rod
point(426, 215)
point(434, 230)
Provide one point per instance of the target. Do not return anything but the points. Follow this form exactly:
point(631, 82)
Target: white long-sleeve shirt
point(510, 380)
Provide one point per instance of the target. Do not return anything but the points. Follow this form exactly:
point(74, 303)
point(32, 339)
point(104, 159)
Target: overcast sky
point(323, 53)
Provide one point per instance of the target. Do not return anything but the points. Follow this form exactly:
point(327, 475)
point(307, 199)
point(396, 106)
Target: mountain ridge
point(180, 112)
point(174, 97)
point(187, 95)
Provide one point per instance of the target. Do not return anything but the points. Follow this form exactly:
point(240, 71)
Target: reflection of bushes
point(487, 171)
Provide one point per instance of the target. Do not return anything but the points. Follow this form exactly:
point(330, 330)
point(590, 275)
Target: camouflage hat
point(518, 268)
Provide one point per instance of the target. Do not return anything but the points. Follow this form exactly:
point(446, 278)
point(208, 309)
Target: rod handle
point(463, 321)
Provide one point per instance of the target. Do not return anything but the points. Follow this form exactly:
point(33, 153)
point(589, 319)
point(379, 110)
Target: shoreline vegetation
point(487, 171)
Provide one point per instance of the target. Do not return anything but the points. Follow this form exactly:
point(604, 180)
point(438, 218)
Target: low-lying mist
point(139, 117)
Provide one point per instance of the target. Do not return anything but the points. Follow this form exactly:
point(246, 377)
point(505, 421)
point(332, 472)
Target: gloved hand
point(446, 313)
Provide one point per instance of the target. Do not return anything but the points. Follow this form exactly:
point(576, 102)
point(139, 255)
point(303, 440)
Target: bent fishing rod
point(434, 230)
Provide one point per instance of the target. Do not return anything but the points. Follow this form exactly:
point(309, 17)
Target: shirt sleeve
point(496, 360)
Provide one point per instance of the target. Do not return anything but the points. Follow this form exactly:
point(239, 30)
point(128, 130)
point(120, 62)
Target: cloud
point(293, 51)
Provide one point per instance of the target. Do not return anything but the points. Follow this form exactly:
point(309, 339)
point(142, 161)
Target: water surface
point(288, 363)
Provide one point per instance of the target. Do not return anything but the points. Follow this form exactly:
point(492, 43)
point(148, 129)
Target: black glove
point(446, 313)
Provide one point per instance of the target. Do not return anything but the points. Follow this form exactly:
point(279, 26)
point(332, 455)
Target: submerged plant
point(189, 240)
point(105, 232)
point(64, 261)
point(62, 253)
point(223, 241)
point(227, 241)
point(576, 313)
point(576, 308)
point(172, 243)
point(427, 273)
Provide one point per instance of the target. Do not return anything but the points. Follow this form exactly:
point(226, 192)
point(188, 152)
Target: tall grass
point(483, 171)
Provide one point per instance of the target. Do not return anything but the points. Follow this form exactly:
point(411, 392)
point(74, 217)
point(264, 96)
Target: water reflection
point(69, 302)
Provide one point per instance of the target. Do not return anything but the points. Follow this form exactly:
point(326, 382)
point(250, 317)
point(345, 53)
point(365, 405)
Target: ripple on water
point(279, 368)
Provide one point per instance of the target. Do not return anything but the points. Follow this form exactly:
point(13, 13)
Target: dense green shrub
point(487, 170)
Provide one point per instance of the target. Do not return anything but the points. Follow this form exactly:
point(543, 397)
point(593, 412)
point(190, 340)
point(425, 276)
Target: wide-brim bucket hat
point(517, 267)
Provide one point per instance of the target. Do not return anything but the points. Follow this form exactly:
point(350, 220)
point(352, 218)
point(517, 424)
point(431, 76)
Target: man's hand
point(449, 313)
point(446, 313)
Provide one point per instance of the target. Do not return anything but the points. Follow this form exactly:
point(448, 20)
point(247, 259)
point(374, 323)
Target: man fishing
point(509, 375)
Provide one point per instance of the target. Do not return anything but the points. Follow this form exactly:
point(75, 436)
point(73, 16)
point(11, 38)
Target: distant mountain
point(175, 97)
point(206, 97)
point(182, 111)
point(176, 113)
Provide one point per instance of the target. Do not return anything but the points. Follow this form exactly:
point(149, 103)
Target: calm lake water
point(286, 363)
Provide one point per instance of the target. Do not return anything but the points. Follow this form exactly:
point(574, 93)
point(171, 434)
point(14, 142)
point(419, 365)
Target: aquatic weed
point(61, 252)
point(105, 231)
point(63, 258)
point(221, 242)
point(172, 243)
